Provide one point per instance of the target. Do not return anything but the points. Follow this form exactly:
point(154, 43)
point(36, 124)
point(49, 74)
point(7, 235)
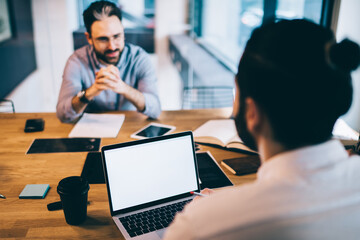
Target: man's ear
point(253, 115)
point(88, 38)
point(236, 100)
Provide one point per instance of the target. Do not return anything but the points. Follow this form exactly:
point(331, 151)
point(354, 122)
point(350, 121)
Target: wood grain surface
point(29, 218)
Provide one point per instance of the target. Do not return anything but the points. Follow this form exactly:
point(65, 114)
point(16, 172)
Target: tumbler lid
point(73, 185)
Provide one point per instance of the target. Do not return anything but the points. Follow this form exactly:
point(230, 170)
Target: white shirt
point(304, 186)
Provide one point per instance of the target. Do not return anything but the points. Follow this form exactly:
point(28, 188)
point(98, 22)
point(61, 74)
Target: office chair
point(7, 106)
point(207, 97)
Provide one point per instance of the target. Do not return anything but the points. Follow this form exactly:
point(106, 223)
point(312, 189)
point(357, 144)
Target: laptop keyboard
point(151, 220)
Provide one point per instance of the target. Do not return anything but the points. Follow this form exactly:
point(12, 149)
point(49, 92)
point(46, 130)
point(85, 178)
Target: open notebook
point(221, 132)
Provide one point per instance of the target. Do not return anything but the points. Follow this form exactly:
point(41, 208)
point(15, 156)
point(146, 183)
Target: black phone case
point(34, 125)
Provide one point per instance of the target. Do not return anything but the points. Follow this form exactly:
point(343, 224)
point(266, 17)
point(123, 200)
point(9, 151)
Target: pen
point(198, 194)
point(2, 196)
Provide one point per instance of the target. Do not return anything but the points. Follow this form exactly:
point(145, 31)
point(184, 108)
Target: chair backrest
point(208, 97)
point(7, 106)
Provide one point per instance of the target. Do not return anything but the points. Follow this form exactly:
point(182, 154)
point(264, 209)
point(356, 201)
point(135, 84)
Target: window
point(223, 27)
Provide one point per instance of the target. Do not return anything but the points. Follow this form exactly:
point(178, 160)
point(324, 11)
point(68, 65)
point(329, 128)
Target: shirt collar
point(295, 163)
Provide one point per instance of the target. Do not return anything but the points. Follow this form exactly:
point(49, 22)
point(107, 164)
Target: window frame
point(328, 19)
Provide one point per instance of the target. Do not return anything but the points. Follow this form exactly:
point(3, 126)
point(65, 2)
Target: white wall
point(170, 18)
point(348, 26)
point(53, 23)
point(135, 7)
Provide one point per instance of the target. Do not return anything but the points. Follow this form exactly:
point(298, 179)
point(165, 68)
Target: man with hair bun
point(293, 83)
point(108, 74)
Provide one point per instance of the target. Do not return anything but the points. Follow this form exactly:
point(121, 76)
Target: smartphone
point(34, 125)
point(153, 130)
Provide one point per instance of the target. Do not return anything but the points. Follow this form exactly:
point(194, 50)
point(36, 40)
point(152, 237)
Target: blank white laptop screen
point(150, 171)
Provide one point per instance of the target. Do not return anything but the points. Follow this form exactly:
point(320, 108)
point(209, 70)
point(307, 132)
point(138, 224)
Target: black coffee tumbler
point(73, 193)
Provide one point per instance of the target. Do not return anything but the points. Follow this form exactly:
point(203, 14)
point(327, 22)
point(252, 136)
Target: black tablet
point(153, 130)
point(210, 173)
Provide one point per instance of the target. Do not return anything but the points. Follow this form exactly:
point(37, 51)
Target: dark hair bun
point(345, 55)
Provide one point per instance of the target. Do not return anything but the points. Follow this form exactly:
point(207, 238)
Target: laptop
point(148, 181)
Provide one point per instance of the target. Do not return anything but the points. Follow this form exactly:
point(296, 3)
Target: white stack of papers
point(98, 126)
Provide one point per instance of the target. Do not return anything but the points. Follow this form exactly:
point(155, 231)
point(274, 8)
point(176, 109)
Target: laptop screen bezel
point(139, 142)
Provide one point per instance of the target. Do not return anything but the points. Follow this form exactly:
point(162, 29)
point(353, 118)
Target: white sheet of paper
point(98, 125)
point(343, 131)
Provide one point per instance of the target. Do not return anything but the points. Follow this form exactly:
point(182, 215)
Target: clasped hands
point(108, 78)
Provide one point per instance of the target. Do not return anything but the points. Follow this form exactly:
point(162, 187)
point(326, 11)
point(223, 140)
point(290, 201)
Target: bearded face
point(241, 127)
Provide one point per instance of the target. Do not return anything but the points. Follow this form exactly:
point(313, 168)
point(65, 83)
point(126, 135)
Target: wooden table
point(29, 218)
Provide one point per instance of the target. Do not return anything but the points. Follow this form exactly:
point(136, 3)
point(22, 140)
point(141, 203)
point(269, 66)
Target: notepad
point(243, 165)
point(34, 191)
